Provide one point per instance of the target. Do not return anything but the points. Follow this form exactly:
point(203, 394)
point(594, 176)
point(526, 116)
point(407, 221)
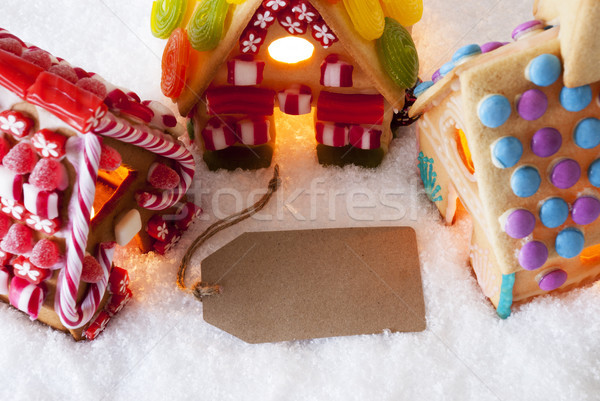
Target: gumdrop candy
point(94, 86)
point(21, 159)
point(110, 159)
point(64, 71)
point(18, 240)
point(39, 58)
point(46, 174)
point(45, 254)
point(162, 176)
point(91, 271)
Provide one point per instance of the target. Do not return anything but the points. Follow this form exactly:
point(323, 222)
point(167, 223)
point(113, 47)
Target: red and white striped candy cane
point(157, 143)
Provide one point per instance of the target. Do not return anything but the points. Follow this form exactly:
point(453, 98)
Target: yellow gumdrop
point(367, 17)
point(235, 1)
point(406, 12)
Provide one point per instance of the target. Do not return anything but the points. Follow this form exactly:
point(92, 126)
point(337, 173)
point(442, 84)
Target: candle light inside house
point(291, 49)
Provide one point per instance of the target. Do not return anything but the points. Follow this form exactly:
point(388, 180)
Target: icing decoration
point(322, 33)
point(575, 99)
point(46, 174)
point(465, 53)
point(533, 255)
point(186, 214)
point(97, 326)
point(91, 271)
point(532, 104)
point(544, 70)
point(332, 134)
point(128, 226)
point(41, 203)
point(251, 41)
point(38, 57)
point(506, 152)
point(569, 242)
point(491, 46)
point(4, 280)
point(110, 158)
point(17, 74)
point(240, 100)
point(565, 173)
point(205, 28)
point(162, 176)
point(11, 185)
point(552, 280)
point(406, 12)
point(26, 297)
point(26, 270)
point(37, 223)
point(21, 159)
point(11, 45)
point(166, 16)
point(175, 60)
point(162, 117)
point(118, 281)
point(526, 28)
point(586, 210)
point(506, 295)
point(263, 18)
point(253, 131)
point(118, 302)
point(93, 86)
point(48, 143)
point(422, 87)
point(594, 173)
point(304, 11)
point(275, 5)
point(219, 133)
point(494, 110)
point(245, 72)
point(287, 19)
point(45, 254)
point(397, 54)
point(554, 212)
point(367, 17)
point(15, 123)
point(525, 181)
point(587, 133)
point(429, 177)
point(546, 142)
point(296, 100)
point(350, 108)
point(64, 71)
point(336, 73)
point(364, 138)
point(157, 228)
point(519, 223)
point(18, 240)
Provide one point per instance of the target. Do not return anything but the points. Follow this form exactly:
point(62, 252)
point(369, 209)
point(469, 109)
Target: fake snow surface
point(160, 347)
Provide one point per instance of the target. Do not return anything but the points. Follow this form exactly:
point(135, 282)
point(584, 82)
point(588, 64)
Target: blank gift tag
point(295, 285)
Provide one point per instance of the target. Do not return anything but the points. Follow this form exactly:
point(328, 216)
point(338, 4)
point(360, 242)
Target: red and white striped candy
point(98, 326)
point(27, 297)
point(161, 247)
point(118, 283)
point(15, 123)
point(331, 134)
point(13, 209)
point(23, 268)
point(219, 133)
point(4, 280)
point(11, 184)
point(48, 226)
point(245, 71)
point(240, 100)
point(287, 19)
point(336, 73)
point(163, 116)
point(296, 100)
point(41, 203)
point(364, 137)
point(117, 302)
point(48, 143)
point(158, 228)
point(186, 214)
point(253, 131)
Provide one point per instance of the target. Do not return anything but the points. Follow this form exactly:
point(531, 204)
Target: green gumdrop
point(166, 16)
point(190, 129)
point(397, 54)
point(206, 26)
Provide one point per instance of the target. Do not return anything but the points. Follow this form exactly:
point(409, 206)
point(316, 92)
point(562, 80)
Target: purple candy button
point(525, 28)
point(533, 255)
point(565, 173)
point(552, 280)
point(491, 46)
point(585, 210)
point(532, 104)
point(436, 76)
point(546, 142)
point(520, 223)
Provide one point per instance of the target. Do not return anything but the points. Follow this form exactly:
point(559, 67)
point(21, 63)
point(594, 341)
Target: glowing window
point(463, 150)
point(110, 187)
point(291, 49)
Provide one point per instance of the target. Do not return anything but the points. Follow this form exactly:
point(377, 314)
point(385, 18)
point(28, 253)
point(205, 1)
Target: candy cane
point(72, 315)
point(159, 144)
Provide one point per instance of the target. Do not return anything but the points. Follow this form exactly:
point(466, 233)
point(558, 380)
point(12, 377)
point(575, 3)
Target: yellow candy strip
point(166, 16)
point(367, 17)
point(406, 12)
point(235, 1)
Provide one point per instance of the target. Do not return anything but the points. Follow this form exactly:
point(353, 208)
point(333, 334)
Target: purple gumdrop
point(552, 280)
point(533, 255)
point(532, 104)
point(526, 27)
point(490, 46)
point(585, 210)
point(520, 223)
point(546, 142)
point(565, 174)
point(436, 76)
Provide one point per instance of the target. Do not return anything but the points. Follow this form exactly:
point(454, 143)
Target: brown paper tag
point(294, 285)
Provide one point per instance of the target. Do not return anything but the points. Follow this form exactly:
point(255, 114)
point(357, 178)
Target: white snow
point(160, 347)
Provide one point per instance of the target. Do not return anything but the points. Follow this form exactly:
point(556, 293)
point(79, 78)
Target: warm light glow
point(590, 254)
point(463, 150)
point(291, 49)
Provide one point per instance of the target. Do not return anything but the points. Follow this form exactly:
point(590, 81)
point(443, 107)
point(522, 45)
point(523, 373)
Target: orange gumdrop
point(175, 61)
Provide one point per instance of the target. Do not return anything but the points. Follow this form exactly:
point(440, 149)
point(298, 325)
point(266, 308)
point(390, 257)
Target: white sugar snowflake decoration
point(251, 43)
point(264, 19)
point(94, 120)
point(163, 231)
point(11, 207)
point(47, 149)
point(303, 13)
point(323, 34)
point(290, 25)
point(24, 270)
point(39, 224)
point(123, 285)
point(11, 124)
point(276, 4)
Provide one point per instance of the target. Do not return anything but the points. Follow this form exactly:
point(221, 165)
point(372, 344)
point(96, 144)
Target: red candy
point(263, 18)
point(186, 214)
point(162, 176)
point(81, 73)
point(17, 74)
point(94, 86)
point(350, 108)
point(5, 224)
point(118, 302)
point(21, 159)
point(275, 5)
point(97, 326)
point(91, 271)
point(323, 33)
point(304, 11)
point(46, 174)
point(25, 269)
point(219, 133)
point(45, 254)
point(18, 240)
point(65, 71)
point(4, 148)
point(288, 21)
point(11, 45)
point(118, 282)
point(240, 100)
point(39, 58)
point(110, 159)
point(49, 143)
point(15, 123)
point(251, 40)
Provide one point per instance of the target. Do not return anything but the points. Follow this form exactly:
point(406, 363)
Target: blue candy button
point(594, 173)
point(507, 152)
point(422, 87)
point(569, 242)
point(446, 68)
point(544, 70)
point(525, 181)
point(465, 52)
point(494, 110)
point(576, 99)
point(587, 133)
point(554, 212)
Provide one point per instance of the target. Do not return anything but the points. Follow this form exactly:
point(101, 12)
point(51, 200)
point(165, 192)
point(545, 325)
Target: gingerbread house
point(510, 133)
point(240, 68)
point(85, 167)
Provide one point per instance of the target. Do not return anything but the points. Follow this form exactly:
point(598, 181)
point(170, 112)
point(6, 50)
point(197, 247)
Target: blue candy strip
point(506, 295)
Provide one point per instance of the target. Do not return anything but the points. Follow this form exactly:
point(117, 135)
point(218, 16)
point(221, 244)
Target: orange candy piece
point(175, 61)
point(406, 12)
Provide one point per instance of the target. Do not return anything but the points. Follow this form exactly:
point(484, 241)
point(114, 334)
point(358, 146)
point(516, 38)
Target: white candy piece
point(40, 202)
point(10, 184)
point(128, 226)
point(4, 280)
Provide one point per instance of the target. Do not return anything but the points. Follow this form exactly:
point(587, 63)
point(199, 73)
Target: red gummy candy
point(4, 148)
point(20, 159)
point(162, 176)
point(110, 159)
point(65, 71)
point(91, 271)
point(45, 254)
point(94, 86)
point(81, 73)
point(5, 223)
point(15, 123)
point(46, 175)
point(39, 58)
point(18, 240)
point(11, 45)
